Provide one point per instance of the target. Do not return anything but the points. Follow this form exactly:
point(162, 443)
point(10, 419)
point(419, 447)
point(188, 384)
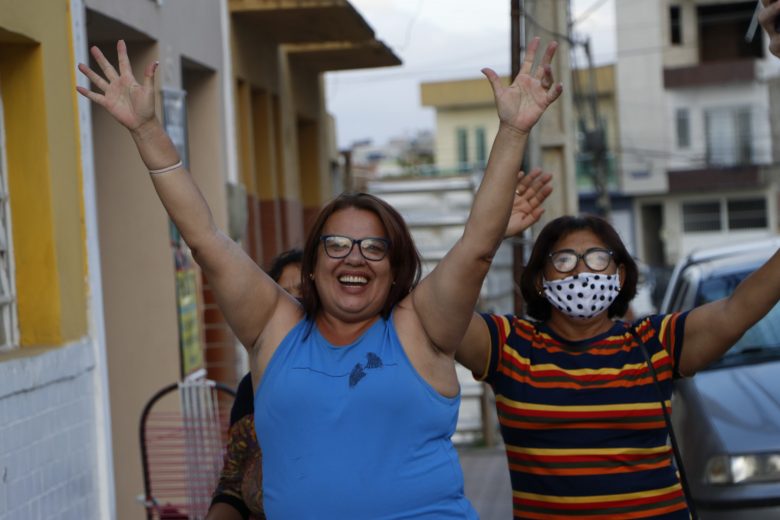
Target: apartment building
point(698, 121)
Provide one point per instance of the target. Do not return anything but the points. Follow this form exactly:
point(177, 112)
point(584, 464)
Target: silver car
point(727, 418)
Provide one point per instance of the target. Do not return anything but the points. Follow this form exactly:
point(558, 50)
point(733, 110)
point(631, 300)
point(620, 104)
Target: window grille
point(701, 216)
point(8, 320)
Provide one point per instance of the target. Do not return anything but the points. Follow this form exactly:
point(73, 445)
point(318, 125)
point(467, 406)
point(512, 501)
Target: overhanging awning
point(333, 56)
point(302, 21)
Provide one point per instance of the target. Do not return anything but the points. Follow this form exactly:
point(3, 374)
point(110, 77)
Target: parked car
point(727, 418)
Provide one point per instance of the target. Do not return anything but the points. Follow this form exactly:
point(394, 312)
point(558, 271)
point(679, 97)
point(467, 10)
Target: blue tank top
point(354, 432)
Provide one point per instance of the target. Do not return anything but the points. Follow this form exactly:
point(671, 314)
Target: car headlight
point(743, 469)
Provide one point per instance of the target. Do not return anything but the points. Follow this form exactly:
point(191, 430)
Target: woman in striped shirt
point(577, 405)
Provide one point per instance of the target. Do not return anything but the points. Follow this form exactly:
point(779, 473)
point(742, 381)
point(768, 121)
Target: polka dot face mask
point(583, 295)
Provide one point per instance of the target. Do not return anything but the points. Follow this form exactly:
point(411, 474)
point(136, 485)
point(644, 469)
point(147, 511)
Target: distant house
point(399, 157)
point(698, 123)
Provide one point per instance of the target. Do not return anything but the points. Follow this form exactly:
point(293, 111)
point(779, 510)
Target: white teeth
point(353, 279)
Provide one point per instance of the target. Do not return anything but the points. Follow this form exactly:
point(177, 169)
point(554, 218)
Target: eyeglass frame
point(359, 242)
point(582, 258)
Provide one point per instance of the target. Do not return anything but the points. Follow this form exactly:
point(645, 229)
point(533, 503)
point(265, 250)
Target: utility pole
point(516, 46)
point(596, 140)
point(516, 42)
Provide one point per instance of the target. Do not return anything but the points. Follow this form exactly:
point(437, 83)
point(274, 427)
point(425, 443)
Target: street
point(487, 481)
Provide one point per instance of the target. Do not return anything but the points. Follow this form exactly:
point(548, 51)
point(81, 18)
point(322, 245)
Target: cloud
point(437, 40)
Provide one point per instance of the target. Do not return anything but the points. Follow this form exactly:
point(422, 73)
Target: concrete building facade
point(697, 108)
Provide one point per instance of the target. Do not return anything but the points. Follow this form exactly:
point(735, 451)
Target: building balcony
point(710, 73)
point(716, 178)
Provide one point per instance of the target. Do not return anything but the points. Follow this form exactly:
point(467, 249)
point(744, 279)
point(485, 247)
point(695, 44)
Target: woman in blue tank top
point(356, 392)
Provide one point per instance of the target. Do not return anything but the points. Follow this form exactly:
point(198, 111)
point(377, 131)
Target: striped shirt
point(583, 426)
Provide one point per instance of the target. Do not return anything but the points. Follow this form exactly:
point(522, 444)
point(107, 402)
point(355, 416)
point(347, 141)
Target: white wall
point(678, 243)
point(47, 436)
point(640, 95)
point(697, 100)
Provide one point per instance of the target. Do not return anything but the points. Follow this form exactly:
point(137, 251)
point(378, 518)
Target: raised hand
point(129, 102)
point(531, 191)
point(522, 103)
point(769, 18)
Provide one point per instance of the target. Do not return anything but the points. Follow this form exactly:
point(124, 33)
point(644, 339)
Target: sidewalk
point(487, 482)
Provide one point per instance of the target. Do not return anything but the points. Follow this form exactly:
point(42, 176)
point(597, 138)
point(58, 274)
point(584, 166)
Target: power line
point(589, 11)
point(541, 27)
point(410, 27)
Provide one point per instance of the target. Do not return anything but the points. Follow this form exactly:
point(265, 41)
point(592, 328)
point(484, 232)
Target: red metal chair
point(183, 440)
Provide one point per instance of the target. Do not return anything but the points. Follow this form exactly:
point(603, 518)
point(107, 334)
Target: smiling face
point(352, 288)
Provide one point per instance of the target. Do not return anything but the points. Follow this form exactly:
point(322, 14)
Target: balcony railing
point(715, 178)
point(712, 73)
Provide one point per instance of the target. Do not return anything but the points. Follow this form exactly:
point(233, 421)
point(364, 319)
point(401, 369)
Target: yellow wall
point(264, 149)
point(457, 93)
point(44, 176)
point(309, 160)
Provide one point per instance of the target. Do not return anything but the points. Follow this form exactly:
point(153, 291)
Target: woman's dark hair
point(404, 259)
point(282, 260)
point(537, 305)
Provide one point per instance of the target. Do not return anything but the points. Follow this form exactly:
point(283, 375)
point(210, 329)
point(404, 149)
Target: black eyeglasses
point(596, 258)
point(372, 248)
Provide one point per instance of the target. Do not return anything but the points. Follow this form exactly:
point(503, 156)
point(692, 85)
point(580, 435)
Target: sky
point(437, 40)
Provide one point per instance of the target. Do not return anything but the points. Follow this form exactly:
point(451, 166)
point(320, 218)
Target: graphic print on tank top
point(358, 372)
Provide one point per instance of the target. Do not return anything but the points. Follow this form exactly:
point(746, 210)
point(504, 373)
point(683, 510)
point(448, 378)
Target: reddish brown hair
point(404, 259)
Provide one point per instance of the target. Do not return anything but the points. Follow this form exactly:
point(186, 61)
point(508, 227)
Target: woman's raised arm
point(713, 328)
point(445, 299)
point(247, 296)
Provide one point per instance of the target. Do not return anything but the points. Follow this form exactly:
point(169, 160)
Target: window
point(463, 149)
point(683, 124)
point(7, 290)
point(701, 216)
point(747, 214)
point(675, 25)
point(481, 147)
point(729, 136)
point(728, 214)
point(721, 30)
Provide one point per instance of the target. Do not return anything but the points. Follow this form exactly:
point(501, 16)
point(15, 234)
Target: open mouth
point(353, 280)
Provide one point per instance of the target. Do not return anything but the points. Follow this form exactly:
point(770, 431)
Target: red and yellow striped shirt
point(582, 421)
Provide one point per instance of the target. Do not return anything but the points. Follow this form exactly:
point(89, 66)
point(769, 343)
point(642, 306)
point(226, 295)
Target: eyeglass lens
point(339, 247)
point(595, 259)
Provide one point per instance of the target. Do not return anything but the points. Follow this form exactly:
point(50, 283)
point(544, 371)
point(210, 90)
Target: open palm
point(530, 194)
point(522, 103)
point(129, 102)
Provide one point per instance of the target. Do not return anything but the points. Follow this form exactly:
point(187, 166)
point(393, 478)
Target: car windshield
point(761, 342)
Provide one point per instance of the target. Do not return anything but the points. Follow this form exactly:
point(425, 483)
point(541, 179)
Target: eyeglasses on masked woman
point(372, 248)
point(596, 259)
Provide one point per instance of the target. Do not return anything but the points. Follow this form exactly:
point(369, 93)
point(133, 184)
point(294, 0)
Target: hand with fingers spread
point(531, 192)
point(129, 102)
point(769, 18)
point(522, 103)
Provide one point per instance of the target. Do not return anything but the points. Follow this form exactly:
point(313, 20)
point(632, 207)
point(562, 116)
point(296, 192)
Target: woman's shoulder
point(657, 322)
point(511, 325)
